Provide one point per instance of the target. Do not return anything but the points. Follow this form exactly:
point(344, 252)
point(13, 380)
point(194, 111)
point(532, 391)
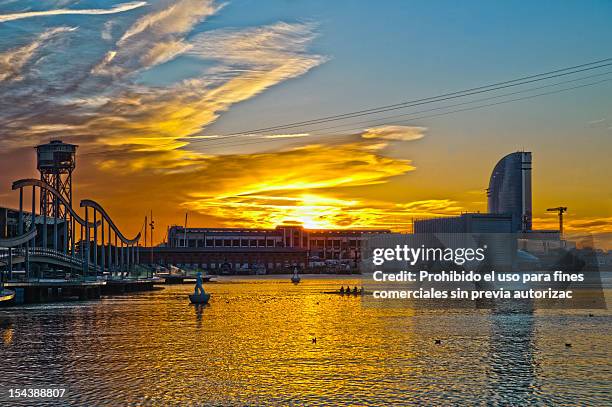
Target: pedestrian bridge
point(88, 244)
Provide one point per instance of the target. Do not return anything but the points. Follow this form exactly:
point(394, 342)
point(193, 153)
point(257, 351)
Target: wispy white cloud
point(107, 30)
point(13, 61)
point(257, 135)
point(179, 17)
point(605, 123)
point(120, 8)
point(294, 135)
point(163, 52)
point(156, 37)
point(266, 44)
point(399, 133)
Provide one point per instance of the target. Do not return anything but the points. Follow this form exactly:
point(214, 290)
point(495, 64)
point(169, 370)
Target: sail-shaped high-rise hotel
point(509, 189)
point(509, 203)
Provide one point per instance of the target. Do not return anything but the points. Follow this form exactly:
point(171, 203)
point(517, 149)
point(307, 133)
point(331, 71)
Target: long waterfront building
point(277, 248)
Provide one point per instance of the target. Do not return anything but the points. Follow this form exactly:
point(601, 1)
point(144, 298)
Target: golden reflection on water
point(7, 336)
point(253, 345)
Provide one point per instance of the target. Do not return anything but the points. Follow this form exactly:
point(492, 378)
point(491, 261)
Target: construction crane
point(560, 210)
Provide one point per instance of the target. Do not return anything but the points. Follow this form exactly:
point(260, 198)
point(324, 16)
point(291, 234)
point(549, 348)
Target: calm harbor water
point(252, 345)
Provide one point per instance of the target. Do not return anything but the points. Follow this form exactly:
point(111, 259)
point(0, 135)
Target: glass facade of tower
point(509, 189)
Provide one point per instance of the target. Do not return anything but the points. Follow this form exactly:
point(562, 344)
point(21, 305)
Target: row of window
point(319, 243)
point(229, 243)
point(335, 243)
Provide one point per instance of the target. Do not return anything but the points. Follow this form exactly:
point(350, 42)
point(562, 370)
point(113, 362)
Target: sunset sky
point(150, 91)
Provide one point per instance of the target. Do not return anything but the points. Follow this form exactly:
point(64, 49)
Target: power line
point(504, 101)
point(232, 143)
point(259, 141)
point(383, 119)
point(446, 96)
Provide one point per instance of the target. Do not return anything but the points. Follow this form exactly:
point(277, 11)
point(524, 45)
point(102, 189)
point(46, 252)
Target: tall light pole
point(185, 232)
point(145, 230)
point(152, 225)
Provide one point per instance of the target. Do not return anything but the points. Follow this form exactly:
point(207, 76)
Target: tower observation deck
point(56, 161)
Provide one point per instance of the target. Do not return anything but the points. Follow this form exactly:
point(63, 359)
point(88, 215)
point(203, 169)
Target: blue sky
point(397, 50)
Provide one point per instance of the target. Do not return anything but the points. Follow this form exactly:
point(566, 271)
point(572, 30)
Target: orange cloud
point(263, 189)
point(576, 225)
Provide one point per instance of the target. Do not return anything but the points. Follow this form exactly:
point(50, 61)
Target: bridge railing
point(48, 254)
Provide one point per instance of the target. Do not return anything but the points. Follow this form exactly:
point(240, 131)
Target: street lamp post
point(152, 225)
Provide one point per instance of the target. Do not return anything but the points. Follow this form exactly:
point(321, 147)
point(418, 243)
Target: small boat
point(6, 295)
point(199, 298)
point(295, 278)
point(348, 292)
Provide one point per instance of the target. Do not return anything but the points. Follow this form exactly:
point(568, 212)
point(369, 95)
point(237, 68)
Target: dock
point(34, 291)
point(30, 291)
